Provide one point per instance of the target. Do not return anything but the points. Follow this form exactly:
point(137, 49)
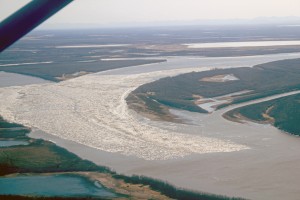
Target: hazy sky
point(128, 11)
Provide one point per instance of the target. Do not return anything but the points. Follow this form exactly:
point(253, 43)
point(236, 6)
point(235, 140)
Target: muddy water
point(268, 170)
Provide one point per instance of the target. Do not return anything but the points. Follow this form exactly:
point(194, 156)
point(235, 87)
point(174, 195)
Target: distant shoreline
point(203, 171)
point(207, 91)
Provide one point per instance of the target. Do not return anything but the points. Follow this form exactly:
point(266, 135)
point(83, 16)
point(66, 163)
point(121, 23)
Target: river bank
point(37, 169)
point(245, 173)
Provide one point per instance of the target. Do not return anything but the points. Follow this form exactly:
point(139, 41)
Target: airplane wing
point(26, 19)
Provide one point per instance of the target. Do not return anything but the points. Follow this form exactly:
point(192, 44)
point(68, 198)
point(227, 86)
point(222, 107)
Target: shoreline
point(220, 172)
point(263, 113)
point(8, 79)
point(117, 186)
point(107, 94)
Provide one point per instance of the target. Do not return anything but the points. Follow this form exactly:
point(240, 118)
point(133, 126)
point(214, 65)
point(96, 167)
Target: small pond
point(9, 143)
point(53, 185)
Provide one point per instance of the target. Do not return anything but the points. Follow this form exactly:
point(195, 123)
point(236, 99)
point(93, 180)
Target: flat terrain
point(219, 88)
point(89, 116)
point(59, 71)
point(102, 102)
point(283, 113)
point(42, 159)
point(96, 109)
point(60, 55)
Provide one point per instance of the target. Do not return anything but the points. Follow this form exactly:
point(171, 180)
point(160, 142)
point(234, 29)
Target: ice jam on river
point(92, 110)
point(210, 154)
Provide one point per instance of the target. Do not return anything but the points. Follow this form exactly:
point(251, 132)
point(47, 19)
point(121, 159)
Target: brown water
point(268, 170)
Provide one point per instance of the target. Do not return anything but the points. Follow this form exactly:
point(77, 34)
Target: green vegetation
point(149, 107)
point(53, 70)
point(13, 197)
point(283, 112)
point(261, 80)
point(171, 191)
point(41, 156)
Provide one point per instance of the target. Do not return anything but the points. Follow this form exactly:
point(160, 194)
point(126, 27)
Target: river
point(247, 160)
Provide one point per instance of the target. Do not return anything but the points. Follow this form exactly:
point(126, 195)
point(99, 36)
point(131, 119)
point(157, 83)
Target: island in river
point(195, 157)
point(207, 91)
point(283, 113)
point(36, 169)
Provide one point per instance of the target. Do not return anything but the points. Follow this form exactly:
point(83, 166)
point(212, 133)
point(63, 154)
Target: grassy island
point(283, 113)
point(223, 86)
point(44, 158)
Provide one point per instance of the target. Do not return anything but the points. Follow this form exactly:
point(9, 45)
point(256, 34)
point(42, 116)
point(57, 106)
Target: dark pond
point(53, 185)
